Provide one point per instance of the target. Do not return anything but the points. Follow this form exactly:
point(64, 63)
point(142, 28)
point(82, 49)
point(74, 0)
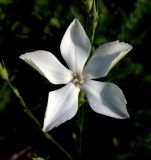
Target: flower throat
point(78, 79)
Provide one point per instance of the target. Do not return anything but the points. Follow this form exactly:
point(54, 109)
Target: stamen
point(78, 79)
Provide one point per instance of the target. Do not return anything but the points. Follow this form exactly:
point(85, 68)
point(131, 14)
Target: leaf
point(5, 95)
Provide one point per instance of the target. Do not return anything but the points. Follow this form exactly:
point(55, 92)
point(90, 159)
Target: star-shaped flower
point(104, 98)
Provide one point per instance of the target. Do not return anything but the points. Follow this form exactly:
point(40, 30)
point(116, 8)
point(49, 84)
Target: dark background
point(29, 25)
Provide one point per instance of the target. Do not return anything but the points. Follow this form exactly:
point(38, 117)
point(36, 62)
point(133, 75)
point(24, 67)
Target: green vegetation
point(40, 24)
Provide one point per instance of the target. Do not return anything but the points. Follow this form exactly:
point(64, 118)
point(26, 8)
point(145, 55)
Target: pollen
point(78, 79)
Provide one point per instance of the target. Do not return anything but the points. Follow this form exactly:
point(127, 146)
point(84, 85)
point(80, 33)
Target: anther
point(78, 79)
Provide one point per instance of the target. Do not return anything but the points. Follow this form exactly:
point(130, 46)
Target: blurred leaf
point(26, 29)
point(74, 136)
point(15, 26)
point(129, 68)
point(40, 158)
point(41, 9)
point(147, 79)
point(55, 22)
point(115, 141)
point(130, 30)
point(5, 2)
point(5, 96)
point(122, 156)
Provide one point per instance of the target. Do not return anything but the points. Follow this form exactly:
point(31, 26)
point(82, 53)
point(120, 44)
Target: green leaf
point(5, 95)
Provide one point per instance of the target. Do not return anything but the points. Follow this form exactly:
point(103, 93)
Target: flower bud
point(88, 5)
point(3, 72)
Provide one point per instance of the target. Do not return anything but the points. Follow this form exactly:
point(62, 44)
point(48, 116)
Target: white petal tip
point(125, 46)
point(22, 56)
point(125, 116)
point(75, 20)
point(129, 47)
point(45, 129)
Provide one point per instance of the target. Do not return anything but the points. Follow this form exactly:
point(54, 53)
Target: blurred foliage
point(5, 96)
point(40, 24)
point(39, 158)
point(5, 2)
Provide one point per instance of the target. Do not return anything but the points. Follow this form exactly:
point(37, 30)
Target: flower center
point(78, 79)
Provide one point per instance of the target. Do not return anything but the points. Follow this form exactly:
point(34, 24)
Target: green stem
point(92, 35)
point(22, 102)
point(30, 114)
point(91, 24)
point(94, 20)
point(81, 118)
point(80, 124)
point(57, 144)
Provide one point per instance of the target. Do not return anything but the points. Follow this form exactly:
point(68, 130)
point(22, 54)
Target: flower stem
point(30, 114)
point(22, 102)
point(93, 19)
point(82, 113)
point(58, 145)
point(81, 119)
point(90, 27)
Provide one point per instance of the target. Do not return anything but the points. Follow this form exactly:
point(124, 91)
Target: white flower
point(103, 98)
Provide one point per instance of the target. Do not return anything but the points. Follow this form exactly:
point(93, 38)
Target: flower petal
point(106, 98)
point(104, 58)
point(75, 46)
point(48, 65)
point(62, 106)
